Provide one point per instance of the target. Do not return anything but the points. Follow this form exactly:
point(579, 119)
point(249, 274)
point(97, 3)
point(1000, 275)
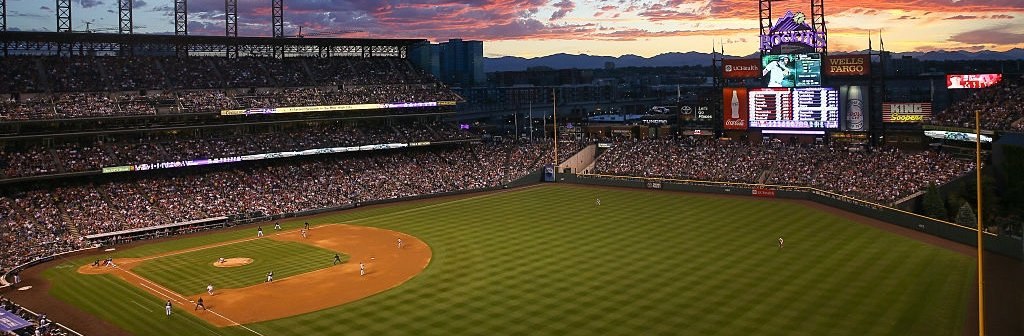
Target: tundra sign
point(848, 65)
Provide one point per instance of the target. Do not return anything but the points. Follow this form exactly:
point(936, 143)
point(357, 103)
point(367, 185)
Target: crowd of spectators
point(41, 325)
point(1001, 106)
point(883, 175)
point(46, 221)
point(77, 87)
point(112, 151)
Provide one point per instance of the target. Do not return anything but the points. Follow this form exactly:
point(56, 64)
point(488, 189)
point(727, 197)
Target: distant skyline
point(532, 28)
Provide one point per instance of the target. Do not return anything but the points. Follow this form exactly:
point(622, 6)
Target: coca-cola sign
point(741, 68)
point(735, 109)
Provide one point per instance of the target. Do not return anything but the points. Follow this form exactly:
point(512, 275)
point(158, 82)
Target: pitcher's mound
point(233, 262)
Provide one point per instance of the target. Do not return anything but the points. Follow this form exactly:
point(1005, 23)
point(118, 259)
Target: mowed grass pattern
point(189, 273)
point(548, 261)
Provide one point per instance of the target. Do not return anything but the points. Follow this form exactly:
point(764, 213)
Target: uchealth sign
point(760, 192)
point(735, 109)
point(906, 112)
point(848, 65)
point(741, 68)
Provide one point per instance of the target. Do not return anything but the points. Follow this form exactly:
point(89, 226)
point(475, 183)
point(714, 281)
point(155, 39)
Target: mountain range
point(584, 61)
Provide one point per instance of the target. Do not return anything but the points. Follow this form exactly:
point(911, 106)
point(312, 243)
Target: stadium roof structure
point(22, 42)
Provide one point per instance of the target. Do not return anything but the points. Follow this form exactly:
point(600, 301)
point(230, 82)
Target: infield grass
point(189, 273)
point(548, 261)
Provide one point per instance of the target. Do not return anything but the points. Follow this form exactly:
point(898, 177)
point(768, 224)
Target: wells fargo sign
point(906, 112)
point(848, 65)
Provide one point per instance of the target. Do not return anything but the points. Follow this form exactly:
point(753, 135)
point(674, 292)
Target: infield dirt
point(387, 266)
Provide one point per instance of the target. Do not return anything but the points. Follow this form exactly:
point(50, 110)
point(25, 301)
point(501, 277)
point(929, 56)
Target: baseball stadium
point(228, 185)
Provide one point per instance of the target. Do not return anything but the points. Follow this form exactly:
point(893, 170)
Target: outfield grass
point(189, 273)
point(547, 261)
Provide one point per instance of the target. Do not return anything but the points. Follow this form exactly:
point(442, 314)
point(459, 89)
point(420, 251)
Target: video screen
point(794, 108)
point(972, 81)
point(791, 70)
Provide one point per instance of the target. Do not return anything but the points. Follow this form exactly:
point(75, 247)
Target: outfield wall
point(1001, 244)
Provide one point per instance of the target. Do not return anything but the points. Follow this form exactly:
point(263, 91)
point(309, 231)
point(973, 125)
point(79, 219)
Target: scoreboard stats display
point(794, 108)
point(791, 70)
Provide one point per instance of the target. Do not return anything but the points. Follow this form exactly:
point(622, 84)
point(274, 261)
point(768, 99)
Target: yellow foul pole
point(981, 274)
point(554, 113)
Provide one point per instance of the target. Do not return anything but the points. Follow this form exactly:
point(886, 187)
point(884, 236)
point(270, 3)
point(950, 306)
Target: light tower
point(277, 13)
point(231, 25)
point(64, 16)
point(124, 16)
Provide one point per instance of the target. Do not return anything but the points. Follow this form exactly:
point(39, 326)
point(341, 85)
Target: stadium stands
point(883, 175)
point(1001, 106)
point(41, 325)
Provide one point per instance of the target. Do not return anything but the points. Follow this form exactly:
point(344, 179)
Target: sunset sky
point(530, 28)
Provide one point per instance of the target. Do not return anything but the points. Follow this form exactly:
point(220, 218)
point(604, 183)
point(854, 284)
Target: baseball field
point(543, 260)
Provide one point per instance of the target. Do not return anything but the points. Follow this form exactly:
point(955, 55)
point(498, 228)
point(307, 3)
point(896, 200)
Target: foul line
point(163, 289)
point(140, 305)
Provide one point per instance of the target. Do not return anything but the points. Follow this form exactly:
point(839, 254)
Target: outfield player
point(167, 308)
point(259, 231)
point(337, 259)
point(209, 289)
point(781, 242)
point(199, 304)
point(597, 201)
point(270, 276)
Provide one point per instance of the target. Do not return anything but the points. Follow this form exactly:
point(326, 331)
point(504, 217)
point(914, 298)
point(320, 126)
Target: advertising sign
point(972, 81)
point(11, 322)
point(792, 70)
point(791, 33)
point(686, 112)
point(759, 192)
point(958, 136)
point(735, 109)
point(704, 113)
point(848, 65)
point(854, 108)
point(741, 68)
point(906, 112)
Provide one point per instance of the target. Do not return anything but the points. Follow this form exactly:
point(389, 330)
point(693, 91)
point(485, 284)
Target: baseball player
point(304, 231)
point(199, 304)
point(221, 260)
point(270, 276)
point(277, 226)
point(167, 308)
point(306, 226)
point(597, 201)
point(337, 259)
point(399, 242)
point(362, 269)
point(781, 243)
point(259, 231)
point(209, 289)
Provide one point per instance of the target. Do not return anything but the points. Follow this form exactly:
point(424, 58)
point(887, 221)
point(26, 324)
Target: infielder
point(209, 289)
point(399, 242)
point(167, 308)
point(304, 231)
point(306, 226)
point(199, 304)
point(362, 269)
point(277, 226)
point(337, 259)
point(259, 231)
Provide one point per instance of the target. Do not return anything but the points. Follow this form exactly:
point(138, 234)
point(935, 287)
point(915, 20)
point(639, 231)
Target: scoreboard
point(794, 108)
